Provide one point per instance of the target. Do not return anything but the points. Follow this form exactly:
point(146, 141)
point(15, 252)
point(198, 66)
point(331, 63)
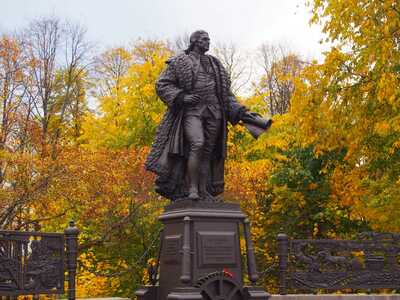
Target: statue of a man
point(189, 150)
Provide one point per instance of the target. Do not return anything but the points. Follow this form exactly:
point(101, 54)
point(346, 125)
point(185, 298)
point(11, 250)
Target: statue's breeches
point(202, 132)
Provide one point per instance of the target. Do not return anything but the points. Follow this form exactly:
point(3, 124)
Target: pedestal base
point(255, 293)
point(185, 293)
point(201, 256)
point(147, 293)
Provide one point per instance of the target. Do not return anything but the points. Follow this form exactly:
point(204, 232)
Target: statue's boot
point(204, 174)
point(193, 174)
point(193, 194)
point(203, 191)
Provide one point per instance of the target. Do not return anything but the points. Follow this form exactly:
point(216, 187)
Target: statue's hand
point(255, 119)
point(191, 99)
point(249, 116)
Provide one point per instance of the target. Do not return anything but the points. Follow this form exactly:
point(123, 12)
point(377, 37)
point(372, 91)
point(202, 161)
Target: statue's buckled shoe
point(194, 195)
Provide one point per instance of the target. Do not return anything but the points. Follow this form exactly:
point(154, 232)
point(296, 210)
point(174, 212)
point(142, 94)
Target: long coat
point(168, 155)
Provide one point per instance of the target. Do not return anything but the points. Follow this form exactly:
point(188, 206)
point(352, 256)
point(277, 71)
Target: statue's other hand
point(191, 99)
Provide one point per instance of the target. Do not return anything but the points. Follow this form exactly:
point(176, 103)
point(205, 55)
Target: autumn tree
point(109, 69)
point(349, 103)
point(329, 165)
point(280, 68)
point(130, 112)
point(43, 102)
point(57, 64)
point(50, 173)
point(12, 66)
point(70, 84)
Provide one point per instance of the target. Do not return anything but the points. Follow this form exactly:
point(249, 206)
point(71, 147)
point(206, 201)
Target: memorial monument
point(200, 255)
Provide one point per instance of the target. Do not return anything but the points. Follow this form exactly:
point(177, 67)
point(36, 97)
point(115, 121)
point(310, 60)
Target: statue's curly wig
point(193, 38)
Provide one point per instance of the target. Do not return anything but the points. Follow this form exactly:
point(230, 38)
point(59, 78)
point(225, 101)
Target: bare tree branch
point(236, 65)
point(280, 67)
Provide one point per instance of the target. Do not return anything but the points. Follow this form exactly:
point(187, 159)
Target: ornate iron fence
point(33, 263)
point(369, 262)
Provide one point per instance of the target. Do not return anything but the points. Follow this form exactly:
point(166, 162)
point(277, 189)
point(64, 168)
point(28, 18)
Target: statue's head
point(200, 40)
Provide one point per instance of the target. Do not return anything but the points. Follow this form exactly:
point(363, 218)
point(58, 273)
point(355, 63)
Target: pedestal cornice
point(192, 208)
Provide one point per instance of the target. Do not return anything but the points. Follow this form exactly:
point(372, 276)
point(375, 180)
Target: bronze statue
point(189, 150)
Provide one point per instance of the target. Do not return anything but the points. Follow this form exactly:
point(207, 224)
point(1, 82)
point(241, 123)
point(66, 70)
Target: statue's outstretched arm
point(236, 111)
point(254, 123)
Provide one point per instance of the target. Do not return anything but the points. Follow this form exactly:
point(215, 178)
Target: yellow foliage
point(130, 111)
point(90, 284)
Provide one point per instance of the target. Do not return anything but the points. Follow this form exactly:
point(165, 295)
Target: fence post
point(71, 241)
point(283, 245)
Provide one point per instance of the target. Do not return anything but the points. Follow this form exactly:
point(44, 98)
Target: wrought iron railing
point(368, 262)
point(33, 263)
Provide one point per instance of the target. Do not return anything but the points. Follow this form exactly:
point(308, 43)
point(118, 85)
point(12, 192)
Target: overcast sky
point(247, 23)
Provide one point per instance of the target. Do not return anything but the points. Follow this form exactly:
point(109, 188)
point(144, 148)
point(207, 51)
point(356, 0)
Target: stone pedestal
point(200, 253)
